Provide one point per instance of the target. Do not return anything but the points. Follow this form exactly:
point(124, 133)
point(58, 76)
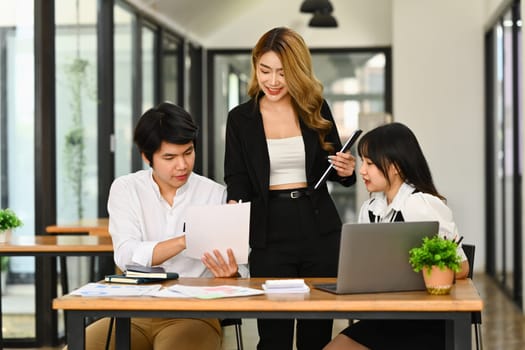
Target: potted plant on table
point(438, 259)
point(8, 221)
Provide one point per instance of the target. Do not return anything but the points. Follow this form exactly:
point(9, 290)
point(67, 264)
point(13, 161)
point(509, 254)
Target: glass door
point(17, 170)
point(504, 143)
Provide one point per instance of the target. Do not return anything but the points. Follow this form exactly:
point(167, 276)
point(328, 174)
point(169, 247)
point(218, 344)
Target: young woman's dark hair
point(165, 122)
point(396, 144)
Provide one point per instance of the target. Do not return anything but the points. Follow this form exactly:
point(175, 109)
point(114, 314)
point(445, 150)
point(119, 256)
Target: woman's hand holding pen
point(218, 266)
point(343, 163)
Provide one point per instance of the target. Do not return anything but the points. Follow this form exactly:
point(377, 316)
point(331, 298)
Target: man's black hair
point(165, 122)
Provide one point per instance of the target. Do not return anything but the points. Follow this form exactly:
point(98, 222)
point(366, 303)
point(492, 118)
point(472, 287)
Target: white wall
point(492, 7)
point(438, 92)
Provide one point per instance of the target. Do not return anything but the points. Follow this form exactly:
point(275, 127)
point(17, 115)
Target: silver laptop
point(374, 257)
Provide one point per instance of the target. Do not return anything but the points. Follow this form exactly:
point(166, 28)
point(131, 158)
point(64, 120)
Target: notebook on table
point(374, 257)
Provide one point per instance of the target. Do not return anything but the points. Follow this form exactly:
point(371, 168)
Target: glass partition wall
point(357, 86)
point(76, 121)
point(148, 51)
point(357, 89)
point(124, 22)
point(171, 68)
point(69, 88)
point(504, 142)
point(17, 170)
point(76, 109)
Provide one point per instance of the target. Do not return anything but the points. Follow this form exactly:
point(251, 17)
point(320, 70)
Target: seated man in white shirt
point(146, 223)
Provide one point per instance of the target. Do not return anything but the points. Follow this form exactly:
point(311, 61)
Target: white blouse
point(287, 160)
point(416, 206)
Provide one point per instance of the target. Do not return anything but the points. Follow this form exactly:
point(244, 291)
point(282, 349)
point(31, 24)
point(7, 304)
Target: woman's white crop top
point(287, 160)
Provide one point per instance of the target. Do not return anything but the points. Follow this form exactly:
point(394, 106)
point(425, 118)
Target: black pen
point(460, 239)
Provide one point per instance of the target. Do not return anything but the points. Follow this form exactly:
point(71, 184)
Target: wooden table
point(70, 245)
point(456, 308)
point(97, 227)
point(54, 246)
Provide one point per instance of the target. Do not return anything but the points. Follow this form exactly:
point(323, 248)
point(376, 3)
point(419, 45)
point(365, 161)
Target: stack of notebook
point(136, 274)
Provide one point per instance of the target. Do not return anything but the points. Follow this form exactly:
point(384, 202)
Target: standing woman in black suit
point(278, 144)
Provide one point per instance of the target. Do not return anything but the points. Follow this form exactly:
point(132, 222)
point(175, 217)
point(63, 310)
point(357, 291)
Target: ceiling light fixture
point(324, 20)
point(322, 10)
point(311, 6)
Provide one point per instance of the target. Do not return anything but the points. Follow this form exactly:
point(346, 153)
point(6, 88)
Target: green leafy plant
point(8, 219)
point(78, 73)
point(435, 251)
point(74, 146)
point(4, 263)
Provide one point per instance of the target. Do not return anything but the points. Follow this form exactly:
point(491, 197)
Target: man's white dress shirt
point(139, 218)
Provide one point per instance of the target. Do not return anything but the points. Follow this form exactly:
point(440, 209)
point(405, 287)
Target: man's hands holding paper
point(218, 266)
point(226, 227)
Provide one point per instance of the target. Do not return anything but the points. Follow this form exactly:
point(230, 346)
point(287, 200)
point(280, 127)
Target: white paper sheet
point(168, 293)
point(115, 290)
point(218, 227)
point(214, 292)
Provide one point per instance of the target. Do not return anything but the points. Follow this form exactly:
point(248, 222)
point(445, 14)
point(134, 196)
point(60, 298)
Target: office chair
point(237, 322)
point(470, 250)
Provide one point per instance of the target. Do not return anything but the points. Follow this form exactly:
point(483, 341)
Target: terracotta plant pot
point(437, 281)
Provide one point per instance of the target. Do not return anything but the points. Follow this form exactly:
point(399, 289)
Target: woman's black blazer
point(247, 169)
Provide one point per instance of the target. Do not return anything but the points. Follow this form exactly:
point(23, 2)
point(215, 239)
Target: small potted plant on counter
point(8, 221)
point(437, 258)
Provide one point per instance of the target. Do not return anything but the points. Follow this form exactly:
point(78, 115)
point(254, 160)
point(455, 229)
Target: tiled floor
point(503, 323)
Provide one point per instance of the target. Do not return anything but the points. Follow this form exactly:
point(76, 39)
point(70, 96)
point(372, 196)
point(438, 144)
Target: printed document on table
point(218, 227)
point(115, 290)
point(214, 292)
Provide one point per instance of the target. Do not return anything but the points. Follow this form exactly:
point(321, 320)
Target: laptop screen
point(374, 257)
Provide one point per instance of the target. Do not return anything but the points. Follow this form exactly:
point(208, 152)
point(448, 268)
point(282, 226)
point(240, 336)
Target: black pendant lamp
point(323, 20)
point(322, 10)
point(311, 6)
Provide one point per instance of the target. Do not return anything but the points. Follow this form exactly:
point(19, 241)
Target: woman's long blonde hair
point(304, 88)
